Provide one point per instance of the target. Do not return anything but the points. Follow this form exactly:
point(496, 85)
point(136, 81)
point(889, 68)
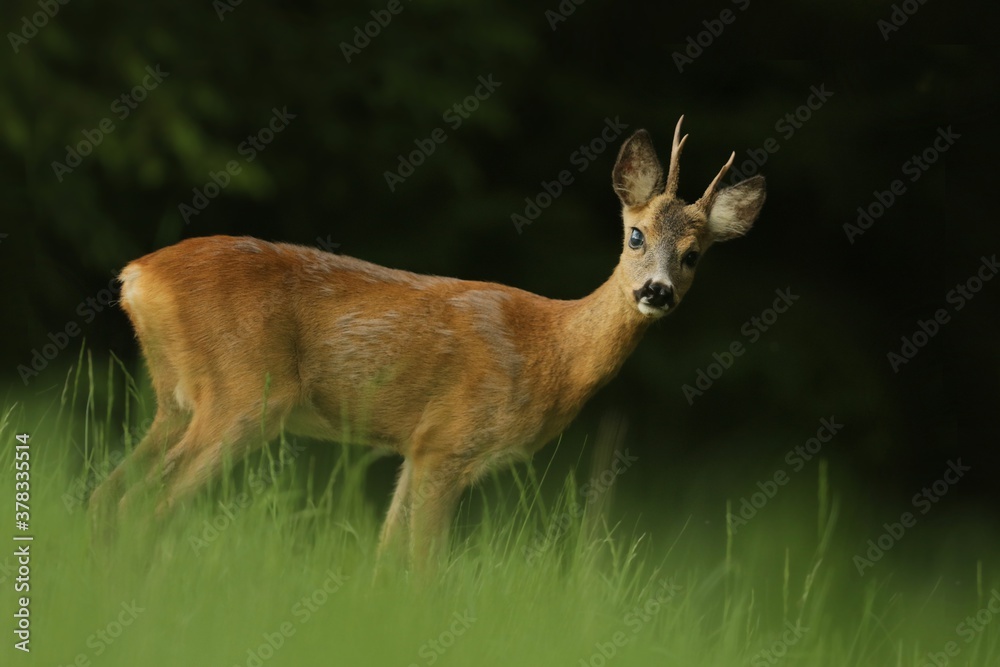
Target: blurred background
point(126, 128)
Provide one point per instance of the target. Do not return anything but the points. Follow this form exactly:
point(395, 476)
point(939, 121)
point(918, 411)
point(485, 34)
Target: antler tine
point(706, 199)
point(673, 172)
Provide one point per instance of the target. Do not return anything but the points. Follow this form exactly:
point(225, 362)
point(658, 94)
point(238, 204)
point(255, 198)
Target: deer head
point(664, 235)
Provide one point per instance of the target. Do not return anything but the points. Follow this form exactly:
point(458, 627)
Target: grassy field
point(274, 566)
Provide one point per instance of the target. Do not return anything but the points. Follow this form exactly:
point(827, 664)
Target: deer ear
point(637, 176)
point(734, 209)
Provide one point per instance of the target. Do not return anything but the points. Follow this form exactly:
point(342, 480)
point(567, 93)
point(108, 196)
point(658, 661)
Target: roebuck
point(456, 376)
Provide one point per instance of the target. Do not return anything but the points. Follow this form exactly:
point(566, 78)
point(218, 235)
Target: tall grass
point(275, 566)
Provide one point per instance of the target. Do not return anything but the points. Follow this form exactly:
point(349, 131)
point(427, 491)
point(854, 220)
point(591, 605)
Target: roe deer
point(456, 376)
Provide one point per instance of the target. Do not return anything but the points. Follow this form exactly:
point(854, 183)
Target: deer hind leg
point(167, 428)
point(397, 518)
point(216, 434)
point(437, 484)
point(211, 445)
point(103, 506)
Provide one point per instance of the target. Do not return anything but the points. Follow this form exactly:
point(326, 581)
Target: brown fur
point(456, 376)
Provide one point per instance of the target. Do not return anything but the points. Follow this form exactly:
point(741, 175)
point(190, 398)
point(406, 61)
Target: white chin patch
point(649, 311)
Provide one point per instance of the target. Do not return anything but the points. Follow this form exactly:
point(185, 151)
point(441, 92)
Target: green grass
point(279, 554)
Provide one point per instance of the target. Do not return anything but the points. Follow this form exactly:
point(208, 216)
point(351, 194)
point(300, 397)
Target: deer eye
point(635, 241)
point(690, 258)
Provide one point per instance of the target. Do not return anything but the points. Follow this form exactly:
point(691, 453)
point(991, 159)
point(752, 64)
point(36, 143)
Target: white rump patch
point(129, 278)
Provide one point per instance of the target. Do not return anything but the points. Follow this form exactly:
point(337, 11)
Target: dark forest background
point(563, 69)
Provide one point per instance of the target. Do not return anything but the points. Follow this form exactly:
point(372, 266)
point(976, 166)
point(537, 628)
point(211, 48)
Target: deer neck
point(599, 332)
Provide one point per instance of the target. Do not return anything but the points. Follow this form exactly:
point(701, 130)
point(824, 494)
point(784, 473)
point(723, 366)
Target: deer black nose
point(656, 295)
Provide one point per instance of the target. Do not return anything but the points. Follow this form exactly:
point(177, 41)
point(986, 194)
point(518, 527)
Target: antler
point(706, 199)
point(673, 174)
point(675, 156)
